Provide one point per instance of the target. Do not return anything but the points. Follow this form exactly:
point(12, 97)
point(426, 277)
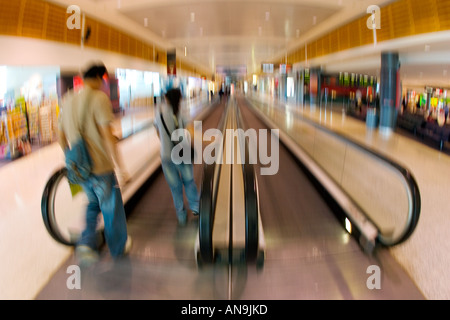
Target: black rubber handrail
point(47, 201)
point(251, 202)
point(47, 210)
point(48, 214)
point(208, 196)
point(251, 211)
point(206, 214)
point(414, 212)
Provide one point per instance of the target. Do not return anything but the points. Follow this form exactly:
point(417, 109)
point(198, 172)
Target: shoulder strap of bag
point(164, 124)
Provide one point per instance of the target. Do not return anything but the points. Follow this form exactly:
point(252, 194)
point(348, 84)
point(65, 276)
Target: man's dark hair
point(174, 97)
point(94, 71)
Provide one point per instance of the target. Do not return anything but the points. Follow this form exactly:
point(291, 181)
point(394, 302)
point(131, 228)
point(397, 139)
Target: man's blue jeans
point(178, 175)
point(104, 196)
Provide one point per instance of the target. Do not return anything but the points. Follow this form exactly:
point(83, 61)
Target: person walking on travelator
point(168, 118)
point(92, 108)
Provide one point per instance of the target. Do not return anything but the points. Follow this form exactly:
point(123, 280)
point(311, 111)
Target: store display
point(33, 122)
point(24, 124)
point(3, 135)
point(45, 124)
point(29, 108)
point(14, 132)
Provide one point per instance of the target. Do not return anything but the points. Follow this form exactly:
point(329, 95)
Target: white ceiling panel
point(229, 32)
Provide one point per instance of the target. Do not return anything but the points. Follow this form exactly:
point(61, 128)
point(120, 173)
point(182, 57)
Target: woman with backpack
point(168, 119)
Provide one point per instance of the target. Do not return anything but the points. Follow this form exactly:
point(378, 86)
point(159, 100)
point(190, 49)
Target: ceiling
point(241, 35)
point(246, 33)
point(230, 33)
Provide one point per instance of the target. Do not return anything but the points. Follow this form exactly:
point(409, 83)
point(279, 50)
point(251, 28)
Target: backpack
point(78, 160)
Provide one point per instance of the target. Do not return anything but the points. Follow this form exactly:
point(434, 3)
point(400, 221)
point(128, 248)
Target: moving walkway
point(229, 222)
point(230, 227)
point(305, 251)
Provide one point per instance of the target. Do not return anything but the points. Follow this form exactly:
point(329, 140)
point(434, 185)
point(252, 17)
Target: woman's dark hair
point(174, 97)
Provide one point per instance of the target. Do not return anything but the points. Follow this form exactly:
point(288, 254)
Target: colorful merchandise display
point(25, 124)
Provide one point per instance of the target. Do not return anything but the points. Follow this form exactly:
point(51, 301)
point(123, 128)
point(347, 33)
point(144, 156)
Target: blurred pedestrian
point(168, 119)
point(93, 108)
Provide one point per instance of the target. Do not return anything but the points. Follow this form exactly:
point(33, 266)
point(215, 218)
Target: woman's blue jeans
point(177, 176)
point(104, 196)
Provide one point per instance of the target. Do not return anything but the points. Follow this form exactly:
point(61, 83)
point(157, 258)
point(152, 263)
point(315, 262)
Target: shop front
point(28, 107)
point(137, 88)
